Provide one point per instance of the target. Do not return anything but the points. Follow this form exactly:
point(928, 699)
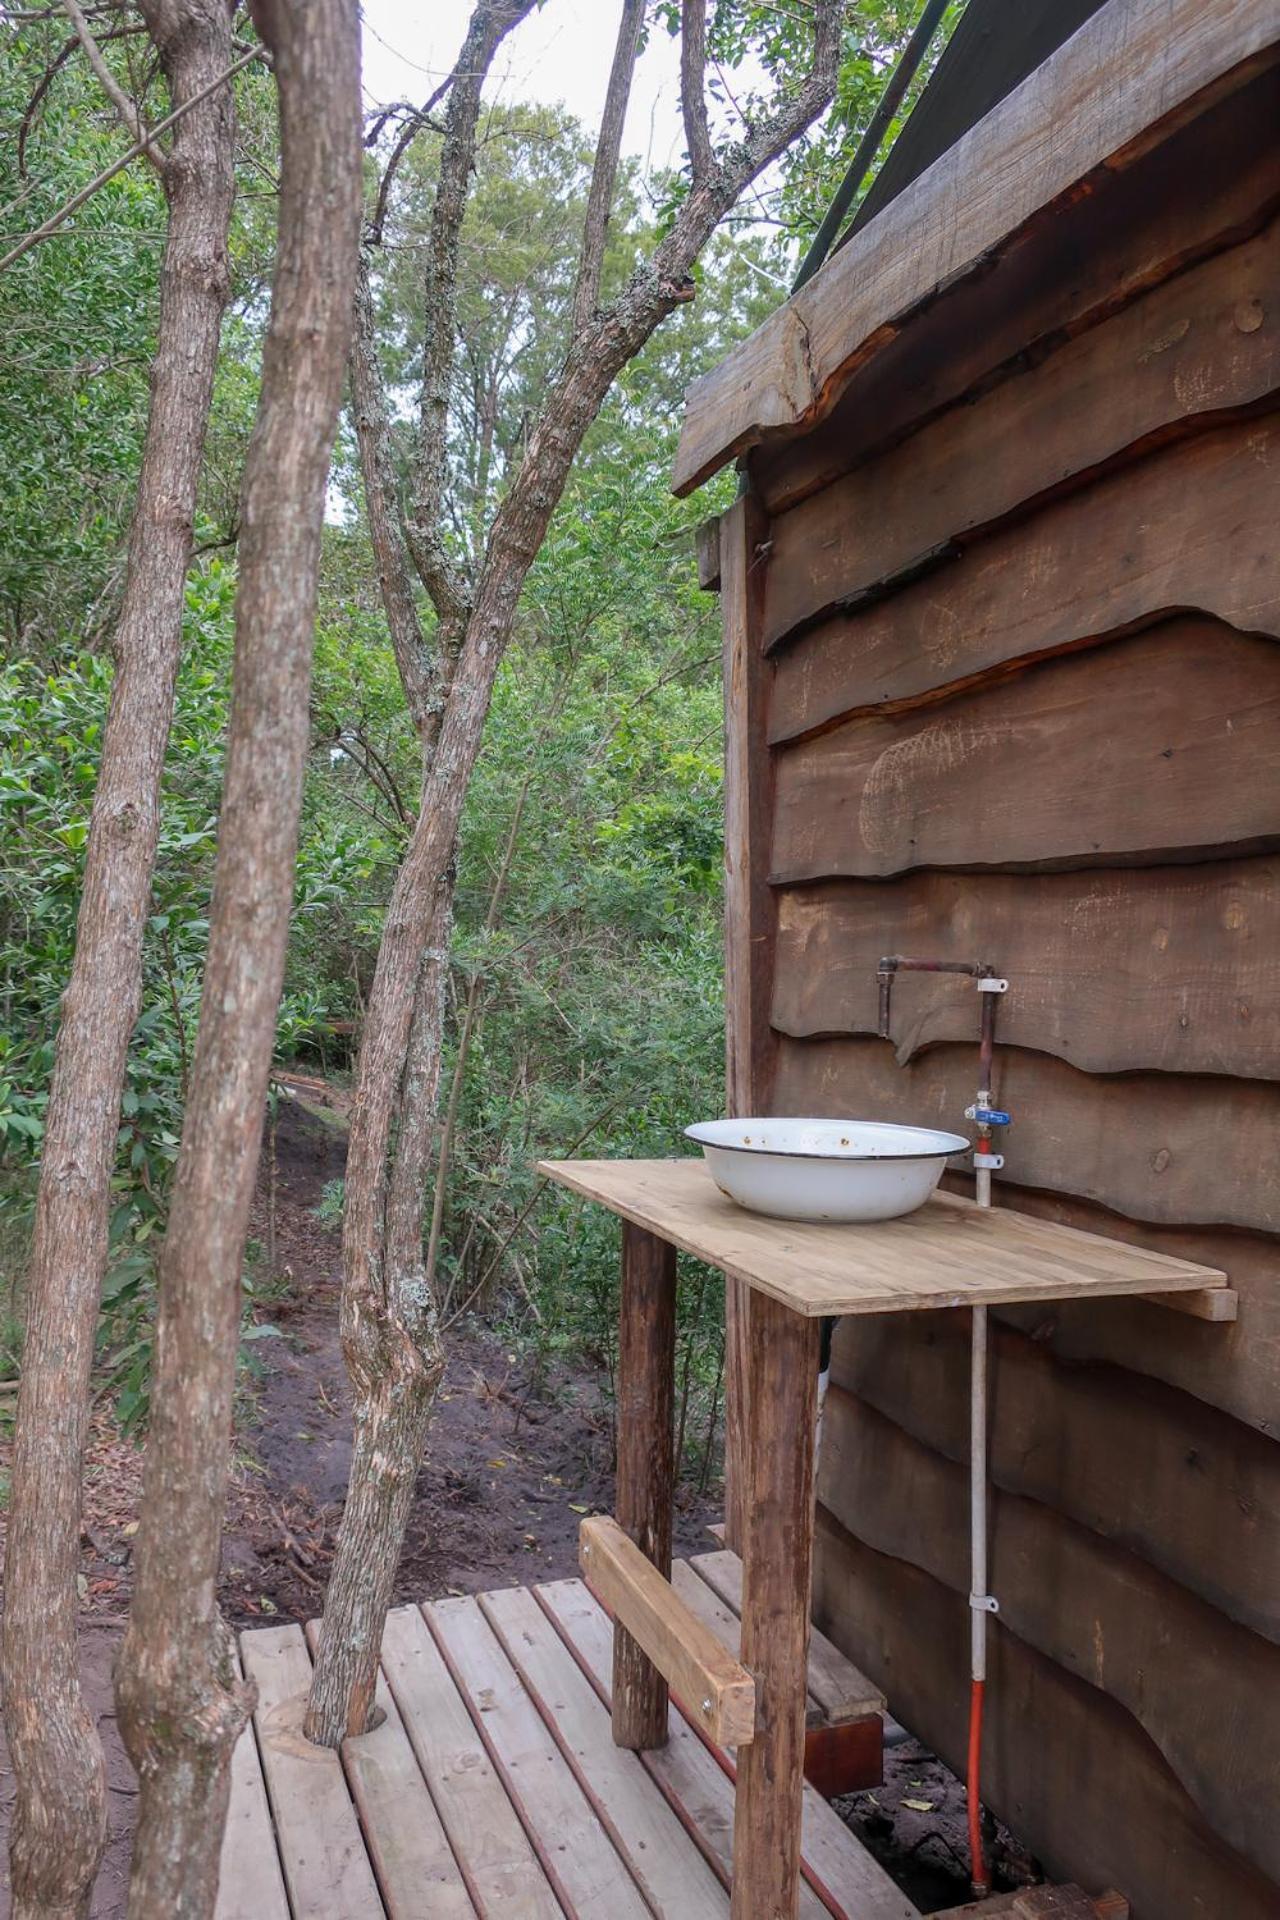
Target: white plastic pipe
point(978, 1491)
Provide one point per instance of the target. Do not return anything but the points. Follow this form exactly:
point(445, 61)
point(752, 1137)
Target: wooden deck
point(493, 1786)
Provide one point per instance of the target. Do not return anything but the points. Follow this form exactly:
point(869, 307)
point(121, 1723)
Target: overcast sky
point(561, 53)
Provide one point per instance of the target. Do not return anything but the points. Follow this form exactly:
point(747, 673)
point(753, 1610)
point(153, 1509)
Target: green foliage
point(585, 994)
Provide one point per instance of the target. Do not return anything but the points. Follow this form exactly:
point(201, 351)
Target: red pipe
point(979, 1875)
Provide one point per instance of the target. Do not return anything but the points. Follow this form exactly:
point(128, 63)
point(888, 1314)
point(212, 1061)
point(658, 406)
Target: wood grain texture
point(668, 1867)
point(1211, 184)
point(698, 1785)
point(501, 1870)
point(948, 1253)
point(646, 1462)
point(835, 1684)
point(715, 1691)
point(1183, 1488)
point(1202, 1687)
point(576, 1852)
point(1189, 527)
point(1175, 969)
point(250, 1882)
point(1205, 342)
point(407, 1843)
point(1130, 76)
point(1094, 1801)
point(326, 1868)
point(1178, 1150)
point(749, 917)
point(776, 1567)
point(1237, 1370)
point(1030, 774)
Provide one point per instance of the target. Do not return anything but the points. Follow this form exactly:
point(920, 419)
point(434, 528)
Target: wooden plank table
point(949, 1253)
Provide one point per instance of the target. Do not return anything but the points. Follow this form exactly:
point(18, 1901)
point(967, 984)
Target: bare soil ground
point(512, 1465)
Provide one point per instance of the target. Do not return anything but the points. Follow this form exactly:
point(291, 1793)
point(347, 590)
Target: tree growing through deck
point(391, 1338)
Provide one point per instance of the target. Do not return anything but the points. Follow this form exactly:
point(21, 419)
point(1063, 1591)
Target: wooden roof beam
point(1132, 74)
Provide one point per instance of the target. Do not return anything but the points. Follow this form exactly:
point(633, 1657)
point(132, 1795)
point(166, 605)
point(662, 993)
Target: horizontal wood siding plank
point(1191, 526)
point(1184, 1488)
point(1164, 746)
point(1202, 1687)
point(1206, 342)
point(1171, 968)
point(1132, 74)
point(1182, 1151)
point(1236, 1368)
point(1211, 184)
point(1069, 1770)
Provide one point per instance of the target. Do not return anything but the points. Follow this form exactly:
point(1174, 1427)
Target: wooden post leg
point(777, 1568)
point(646, 1462)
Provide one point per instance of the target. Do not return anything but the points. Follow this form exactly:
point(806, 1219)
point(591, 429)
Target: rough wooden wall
point(1005, 652)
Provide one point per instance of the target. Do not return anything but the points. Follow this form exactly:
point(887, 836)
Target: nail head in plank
point(715, 1690)
point(575, 1848)
point(839, 1688)
point(404, 1834)
point(949, 1253)
point(250, 1881)
point(326, 1868)
point(669, 1869)
point(492, 1849)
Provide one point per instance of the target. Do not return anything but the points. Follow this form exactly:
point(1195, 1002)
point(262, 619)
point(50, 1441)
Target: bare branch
point(604, 173)
point(693, 99)
point(47, 79)
point(129, 115)
point(77, 200)
point(491, 21)
point(408, 133)
point(377, 466)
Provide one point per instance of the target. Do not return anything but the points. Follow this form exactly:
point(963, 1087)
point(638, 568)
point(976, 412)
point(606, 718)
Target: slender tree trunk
point(390, 1335)
point(59, 1818)
point(181, 1709)
point(395, 1359)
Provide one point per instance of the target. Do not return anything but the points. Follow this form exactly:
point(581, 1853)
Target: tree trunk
point(390, 1337)
point(59, 1817)
point(391, 1344)
point(180, 1708)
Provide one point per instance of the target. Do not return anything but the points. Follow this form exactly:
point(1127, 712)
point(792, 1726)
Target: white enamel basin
point(825, 1169)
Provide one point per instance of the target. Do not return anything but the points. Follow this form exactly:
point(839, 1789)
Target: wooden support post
point(646, 1463)
point(777, 1567)
point(750, 918)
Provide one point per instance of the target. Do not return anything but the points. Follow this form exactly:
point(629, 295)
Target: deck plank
point(407, 1843)
point(493, 1851)
point(835, 1861)
point(694, 1783)
point(250, 1880)
point(580, 1858)
point(326, 1867)
point(842, 1692)
point(670, 1869)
